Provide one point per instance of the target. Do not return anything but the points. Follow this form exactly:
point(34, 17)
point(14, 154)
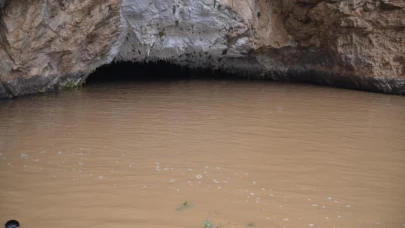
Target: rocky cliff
point(359, 44)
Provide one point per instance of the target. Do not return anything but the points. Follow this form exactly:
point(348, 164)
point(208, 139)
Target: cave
point(159, 70)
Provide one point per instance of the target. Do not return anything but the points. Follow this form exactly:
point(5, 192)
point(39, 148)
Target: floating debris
point(198, 176)
point(207, 224)
point(185, 205)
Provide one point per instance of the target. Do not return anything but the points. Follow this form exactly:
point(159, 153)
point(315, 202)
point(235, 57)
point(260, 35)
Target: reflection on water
point(200, 153)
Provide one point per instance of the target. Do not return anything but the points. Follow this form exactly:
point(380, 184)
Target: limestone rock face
point(359, 44)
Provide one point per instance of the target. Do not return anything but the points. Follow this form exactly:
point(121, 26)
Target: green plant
point(69, 85)
point(81, 83)
point(74, 84)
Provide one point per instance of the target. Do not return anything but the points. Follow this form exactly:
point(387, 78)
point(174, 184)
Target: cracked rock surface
point(358, 44)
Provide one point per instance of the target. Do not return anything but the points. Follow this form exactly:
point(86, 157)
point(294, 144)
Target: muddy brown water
point(246, 155)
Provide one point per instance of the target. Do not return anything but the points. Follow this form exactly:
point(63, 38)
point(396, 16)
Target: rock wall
point(359, 44)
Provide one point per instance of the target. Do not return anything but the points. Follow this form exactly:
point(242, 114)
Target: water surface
point(242, 154)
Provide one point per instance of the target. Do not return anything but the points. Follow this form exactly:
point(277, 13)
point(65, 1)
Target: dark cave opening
point(160, 70)
point(165, 71)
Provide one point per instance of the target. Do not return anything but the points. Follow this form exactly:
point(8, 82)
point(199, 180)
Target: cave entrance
point(129, 71)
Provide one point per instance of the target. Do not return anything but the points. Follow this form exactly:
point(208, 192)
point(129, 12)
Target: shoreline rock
point(351, 44)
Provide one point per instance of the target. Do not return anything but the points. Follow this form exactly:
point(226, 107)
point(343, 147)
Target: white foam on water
point(165, 169)
point(59, 152)
point(215, 181)
point(314, 205)
point(252, 194)
point(24, 155)
point(100, 177)
point(198, 176)
point(263, 189)
point(206, 166)
point(218, 167)
point(285, 219)
point(311, 225)
point(348, 205)
point(172, 180)
point(190, 170)
point(329, 198)
point(254, 182)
